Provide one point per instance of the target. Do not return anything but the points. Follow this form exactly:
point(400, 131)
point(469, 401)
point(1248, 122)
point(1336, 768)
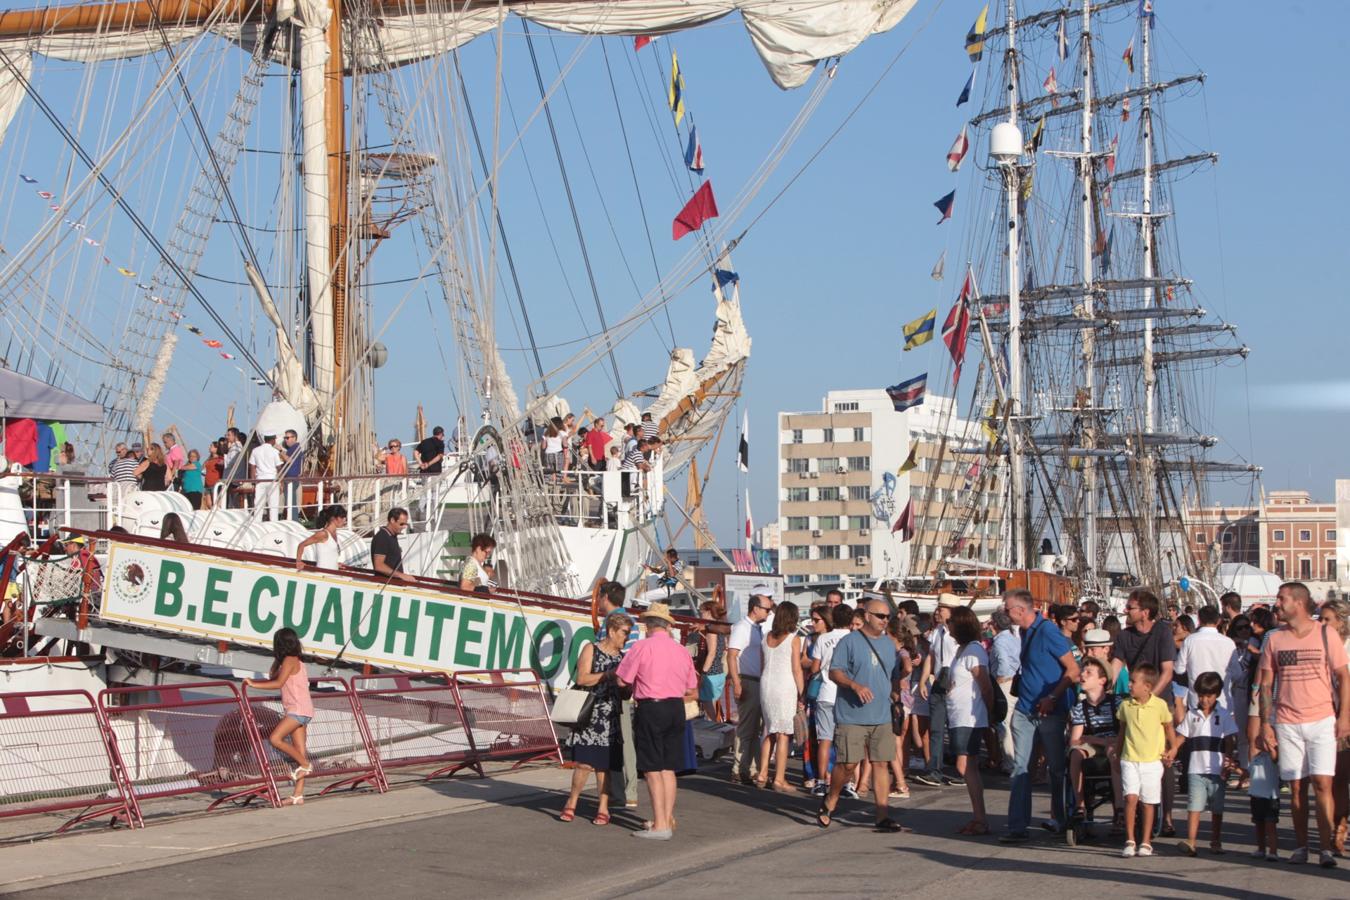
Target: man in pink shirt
point(175, 457)
point(1310, 668)
point(662, 677)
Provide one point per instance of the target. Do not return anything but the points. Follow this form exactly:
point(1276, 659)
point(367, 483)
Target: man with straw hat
point(662, 677)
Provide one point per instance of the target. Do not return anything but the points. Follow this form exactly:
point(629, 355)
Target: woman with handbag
point(710, 662)
point(596, 742)
point(969, 699)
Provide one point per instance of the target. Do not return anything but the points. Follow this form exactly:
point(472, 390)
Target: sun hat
point(1097, 637)
point(949, 600)
point(658, 611)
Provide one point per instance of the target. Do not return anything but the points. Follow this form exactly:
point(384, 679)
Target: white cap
point(761, 590)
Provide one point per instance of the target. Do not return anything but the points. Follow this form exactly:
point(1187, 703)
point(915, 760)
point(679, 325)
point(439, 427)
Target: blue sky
point(843, 258)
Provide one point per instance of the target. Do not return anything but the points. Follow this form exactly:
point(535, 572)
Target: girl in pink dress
point(288, 674)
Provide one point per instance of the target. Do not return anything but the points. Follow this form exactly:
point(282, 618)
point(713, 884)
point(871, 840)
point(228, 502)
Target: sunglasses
point(877, 615)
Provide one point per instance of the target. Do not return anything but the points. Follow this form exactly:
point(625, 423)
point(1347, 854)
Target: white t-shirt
point(823, 650)
point(965, 703)
point(944, 648)
point(748, 637)
point(266, 461)
point(1204, 739)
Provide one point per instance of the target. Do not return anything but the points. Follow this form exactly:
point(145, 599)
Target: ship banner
point(389, 626)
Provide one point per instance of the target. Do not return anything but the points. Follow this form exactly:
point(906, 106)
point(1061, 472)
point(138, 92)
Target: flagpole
point(1146, 225)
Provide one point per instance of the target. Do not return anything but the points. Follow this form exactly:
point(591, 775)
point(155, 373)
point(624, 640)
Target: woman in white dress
point(324, 541)
point(780, 693)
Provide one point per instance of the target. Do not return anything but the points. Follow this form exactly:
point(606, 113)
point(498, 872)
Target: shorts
point(966, 741)
point(920, 706)
point(303, 720)
point(711, 687)
point(658, 735)
point(1265, 809)
point(1306, 749)
point(1205, 792)
point(824, 721)
point(854, 742)
point(1142, 779)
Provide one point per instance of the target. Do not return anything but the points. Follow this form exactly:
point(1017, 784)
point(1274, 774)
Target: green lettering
point(579, 639)
point(504, 646)
point(301, 626)
point(438, 613)
point(405, 625)
point(469, 632)
point(259, 624)
point(215, 578)
point(557, 651)
point(330, 620)
point(169, 591)
point(364, 640)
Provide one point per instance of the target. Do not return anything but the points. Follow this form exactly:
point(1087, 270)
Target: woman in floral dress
point(597, 745)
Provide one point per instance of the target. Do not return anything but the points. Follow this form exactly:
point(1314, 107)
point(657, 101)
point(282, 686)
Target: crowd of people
point(1123, 716)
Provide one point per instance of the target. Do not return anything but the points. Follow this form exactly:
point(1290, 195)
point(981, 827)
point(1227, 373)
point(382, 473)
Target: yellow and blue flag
point(975, 37)
point(920, 331)
point(675, 95)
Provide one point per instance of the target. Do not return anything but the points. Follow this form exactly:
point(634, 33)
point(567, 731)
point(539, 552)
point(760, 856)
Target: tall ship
point(1090, 358)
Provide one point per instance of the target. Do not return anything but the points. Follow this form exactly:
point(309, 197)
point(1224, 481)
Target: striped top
point(123, 469)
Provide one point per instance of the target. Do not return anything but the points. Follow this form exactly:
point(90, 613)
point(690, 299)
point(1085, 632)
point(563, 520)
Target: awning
point(22, 397)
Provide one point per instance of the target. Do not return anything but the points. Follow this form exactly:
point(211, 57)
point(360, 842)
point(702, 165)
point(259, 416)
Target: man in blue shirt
point(1047, 671)
point(864, 667)
point(1004, 663)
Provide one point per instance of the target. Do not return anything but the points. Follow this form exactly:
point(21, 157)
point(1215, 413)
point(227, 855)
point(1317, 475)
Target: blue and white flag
point(909, 393)
point(693, 153)
point(965, 91)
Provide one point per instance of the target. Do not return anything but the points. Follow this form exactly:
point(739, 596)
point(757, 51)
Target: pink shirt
point(1303, 687)
point(175, 458)
point(658, 668)
point(295, 694)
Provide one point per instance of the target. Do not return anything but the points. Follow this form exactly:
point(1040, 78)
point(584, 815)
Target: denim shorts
point(303, 720)
point(966, 741)
point(1205, 792)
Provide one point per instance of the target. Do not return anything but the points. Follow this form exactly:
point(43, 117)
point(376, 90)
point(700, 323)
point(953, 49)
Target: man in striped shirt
point(648, 426)
point(633, 462)
point(123, 467)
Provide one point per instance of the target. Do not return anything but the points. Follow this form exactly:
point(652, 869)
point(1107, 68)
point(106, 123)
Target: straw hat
point(658, 611)
point(951, 601)
point(1097, 637)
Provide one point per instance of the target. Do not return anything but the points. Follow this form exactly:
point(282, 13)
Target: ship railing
point(608, 499)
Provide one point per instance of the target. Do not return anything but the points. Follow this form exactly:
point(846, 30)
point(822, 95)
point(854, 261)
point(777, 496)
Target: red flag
point(904, 523)
point(700, 208)
point(641, 41)
point(212, 343)
point(957, 327)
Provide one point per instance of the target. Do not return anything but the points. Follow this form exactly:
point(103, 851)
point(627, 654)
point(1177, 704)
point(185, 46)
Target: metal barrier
point(416, 721)
point(508, 714)
point(336, 740)
point(56, 753)
point(195, 739)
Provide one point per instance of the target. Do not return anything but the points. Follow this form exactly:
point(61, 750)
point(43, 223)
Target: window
point(796, 579)
point(828, 493)
point(858, 492)
point(1228, 537)
point(856, 523)
point(860, 463)
point(798, 523)
point(1331, 568)
point(1277, 535)
point(1199, 537)
point(798, 465)
point(828, 436)
point(796, 435)
point(798, 495)
point(1305, 568)
point(856, 550)
point(851, 406)
point(858, 437)
point(827, 465)
point(1279, 567)
point(1305, 535)
point(829, 551)
point(797, 551)
point(828, 523)
point(1331, 535)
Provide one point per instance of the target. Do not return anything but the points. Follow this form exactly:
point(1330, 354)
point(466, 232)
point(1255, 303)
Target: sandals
point(294, 800)
point(568, 814)
point(824, 815)
point(600, 819)
point(974, 829)
point(784, 788)
point(890, 826)
point(300, 772)
point(761, 784)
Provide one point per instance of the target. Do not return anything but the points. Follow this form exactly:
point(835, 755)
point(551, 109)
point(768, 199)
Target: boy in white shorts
point(1146, 745)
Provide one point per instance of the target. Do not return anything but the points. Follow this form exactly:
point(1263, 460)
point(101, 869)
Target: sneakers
point(926, 778)
point(1272, 856)
point(953, 780)
point(808, 784)
point(1298, 857)
point(1129, 850)
point(850, 792)
point(1145, 849)
point(1018, 837)
point(1258, 854)
point(1327, 860)
point(820, 790)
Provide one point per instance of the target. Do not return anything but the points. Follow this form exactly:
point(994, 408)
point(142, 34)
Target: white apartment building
point(840, 490)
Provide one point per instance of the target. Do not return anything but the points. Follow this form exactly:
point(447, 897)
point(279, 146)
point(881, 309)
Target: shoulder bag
point(1015, 688)
point(573, 707)
point(897, 708)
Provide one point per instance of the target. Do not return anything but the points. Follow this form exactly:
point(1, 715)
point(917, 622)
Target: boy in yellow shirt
point(1147, 744)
